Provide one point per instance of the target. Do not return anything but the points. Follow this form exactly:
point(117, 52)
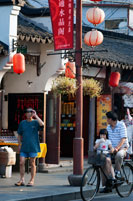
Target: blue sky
point(40, 3)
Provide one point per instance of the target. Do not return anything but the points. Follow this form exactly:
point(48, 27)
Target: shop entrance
point(68, 124)
point(18, 102)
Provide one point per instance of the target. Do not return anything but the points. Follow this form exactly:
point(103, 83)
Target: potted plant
point(64, 85)
point(92, 88)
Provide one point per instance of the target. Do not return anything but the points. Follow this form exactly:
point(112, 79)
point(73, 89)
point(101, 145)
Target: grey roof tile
point(28, 30)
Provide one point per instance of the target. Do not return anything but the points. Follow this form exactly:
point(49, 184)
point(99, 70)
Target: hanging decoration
point(95, 15)
point(70, 70)
point(93, 38)
point(92, 87)
point(18, 63)
point(64, 85)
point(114, 79)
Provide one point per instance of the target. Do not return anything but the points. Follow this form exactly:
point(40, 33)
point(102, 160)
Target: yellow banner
point(104, 104)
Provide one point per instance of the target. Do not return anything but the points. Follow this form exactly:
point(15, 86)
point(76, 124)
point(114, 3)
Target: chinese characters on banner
point(61, 12)
point(104, 105)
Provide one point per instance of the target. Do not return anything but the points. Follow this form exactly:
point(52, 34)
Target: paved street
point(110, 197)
point(50, 187)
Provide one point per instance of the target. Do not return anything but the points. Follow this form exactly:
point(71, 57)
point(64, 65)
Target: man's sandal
point(20, 183)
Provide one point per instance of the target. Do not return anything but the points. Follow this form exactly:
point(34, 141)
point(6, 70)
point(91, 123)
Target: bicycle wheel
point(90, 183)
point(126, 186)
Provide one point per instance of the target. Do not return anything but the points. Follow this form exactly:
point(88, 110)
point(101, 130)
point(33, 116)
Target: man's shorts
point(28, 155)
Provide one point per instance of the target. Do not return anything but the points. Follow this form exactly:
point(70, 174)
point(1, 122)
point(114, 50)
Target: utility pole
point(75, 179)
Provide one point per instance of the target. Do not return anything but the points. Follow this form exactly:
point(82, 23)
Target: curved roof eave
point(28, 30)
point(35, 12)
point(26, 9)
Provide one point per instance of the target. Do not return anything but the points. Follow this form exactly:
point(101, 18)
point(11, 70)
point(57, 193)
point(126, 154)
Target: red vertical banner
point(61, 12)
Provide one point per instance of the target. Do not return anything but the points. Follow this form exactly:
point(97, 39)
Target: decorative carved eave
point(99, 63)
point(116, 51)
point(34, 38)
point(29, 31)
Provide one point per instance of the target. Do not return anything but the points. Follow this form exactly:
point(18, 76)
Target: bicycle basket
point(96, 159)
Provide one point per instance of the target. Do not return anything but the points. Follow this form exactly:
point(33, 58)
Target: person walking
point(29, 144)
point(117, 134)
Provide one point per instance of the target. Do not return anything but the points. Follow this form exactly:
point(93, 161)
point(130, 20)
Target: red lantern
point(70, 69)
point(93, 38)
point(95, 15)
point(18, 63)
point(114, 79)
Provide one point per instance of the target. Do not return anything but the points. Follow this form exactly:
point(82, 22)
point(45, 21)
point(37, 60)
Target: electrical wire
point(27, 2)
point(38, 2)
point(114, 11)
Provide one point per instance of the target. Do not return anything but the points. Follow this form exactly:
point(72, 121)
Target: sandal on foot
point(30, 184)
point(20, 183)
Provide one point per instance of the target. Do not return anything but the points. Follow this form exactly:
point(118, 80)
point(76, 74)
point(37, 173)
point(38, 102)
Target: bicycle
point(90, 183)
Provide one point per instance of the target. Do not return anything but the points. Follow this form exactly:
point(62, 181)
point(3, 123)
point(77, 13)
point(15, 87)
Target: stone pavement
point(52, 185)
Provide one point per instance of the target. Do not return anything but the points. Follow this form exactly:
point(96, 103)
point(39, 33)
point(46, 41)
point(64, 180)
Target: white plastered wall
point(14, 83)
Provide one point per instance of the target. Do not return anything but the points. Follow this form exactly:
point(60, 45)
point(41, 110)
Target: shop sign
point(104, 105)
point(61, 12)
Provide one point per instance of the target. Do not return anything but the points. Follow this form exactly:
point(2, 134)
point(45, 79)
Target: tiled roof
point(3, 48)
point(29, 31)
point(119, 53)
point(119, 47)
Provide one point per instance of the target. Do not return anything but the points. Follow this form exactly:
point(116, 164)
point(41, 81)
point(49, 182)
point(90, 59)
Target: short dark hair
point(112, 115)
point(103, 131)
point(29, 109)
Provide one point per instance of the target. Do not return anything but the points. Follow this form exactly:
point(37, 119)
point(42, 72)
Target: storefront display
point(68, 112)
point(68, 115)
point(17, 103)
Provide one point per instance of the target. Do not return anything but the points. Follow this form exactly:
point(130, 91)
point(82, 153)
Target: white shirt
point(117, 133)
point(104, 146)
